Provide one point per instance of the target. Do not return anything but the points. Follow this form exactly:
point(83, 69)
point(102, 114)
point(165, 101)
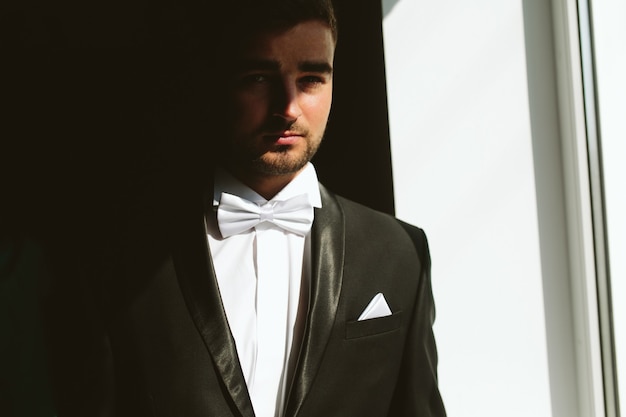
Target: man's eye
point(255, 79)
point(311, 80)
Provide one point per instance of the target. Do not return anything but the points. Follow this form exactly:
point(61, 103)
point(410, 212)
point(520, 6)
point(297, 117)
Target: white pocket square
point(378, 307)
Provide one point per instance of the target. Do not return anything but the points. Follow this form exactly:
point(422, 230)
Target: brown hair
point(248, 17)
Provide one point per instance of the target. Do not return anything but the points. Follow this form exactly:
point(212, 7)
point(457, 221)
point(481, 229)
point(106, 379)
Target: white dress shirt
point(263, 276)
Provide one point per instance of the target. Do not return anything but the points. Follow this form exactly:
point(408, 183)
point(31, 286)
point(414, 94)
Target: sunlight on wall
point(463, 170)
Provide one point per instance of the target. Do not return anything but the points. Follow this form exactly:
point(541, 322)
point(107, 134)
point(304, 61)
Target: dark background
point(355, 158)
point(105, 106)
point(104, 99)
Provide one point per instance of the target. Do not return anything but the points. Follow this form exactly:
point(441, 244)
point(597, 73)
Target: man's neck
point(267, 186)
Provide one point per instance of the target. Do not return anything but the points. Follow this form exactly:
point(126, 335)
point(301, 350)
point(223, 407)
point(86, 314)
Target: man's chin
point(278, 165)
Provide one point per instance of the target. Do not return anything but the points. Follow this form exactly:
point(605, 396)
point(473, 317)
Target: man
point(275, 297)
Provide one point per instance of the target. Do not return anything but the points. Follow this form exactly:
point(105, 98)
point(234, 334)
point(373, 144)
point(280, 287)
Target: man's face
point(279, 100)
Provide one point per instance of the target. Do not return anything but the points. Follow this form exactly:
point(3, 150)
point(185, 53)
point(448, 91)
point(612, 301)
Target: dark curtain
point(355, 160)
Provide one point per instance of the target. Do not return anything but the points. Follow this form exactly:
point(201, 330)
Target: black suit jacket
point(173, 354)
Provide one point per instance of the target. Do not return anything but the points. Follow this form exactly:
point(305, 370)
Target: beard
point(280, 161)
point(269, 159)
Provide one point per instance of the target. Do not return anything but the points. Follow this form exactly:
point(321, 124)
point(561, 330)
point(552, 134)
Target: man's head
point(278, 90)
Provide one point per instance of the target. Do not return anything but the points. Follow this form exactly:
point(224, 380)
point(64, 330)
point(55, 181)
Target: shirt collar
point(305, 182)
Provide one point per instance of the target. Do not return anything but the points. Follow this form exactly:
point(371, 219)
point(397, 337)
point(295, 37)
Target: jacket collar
point(196, 275)
point(328, 245)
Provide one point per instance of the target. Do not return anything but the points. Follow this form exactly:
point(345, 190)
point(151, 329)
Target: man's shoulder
point(354, 209)
point(379, 225)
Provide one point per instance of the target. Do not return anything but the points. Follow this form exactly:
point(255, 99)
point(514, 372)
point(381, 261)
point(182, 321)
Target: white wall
point(464, 171)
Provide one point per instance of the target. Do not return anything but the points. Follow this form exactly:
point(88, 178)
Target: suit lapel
point(327, 254)
point(196, 275)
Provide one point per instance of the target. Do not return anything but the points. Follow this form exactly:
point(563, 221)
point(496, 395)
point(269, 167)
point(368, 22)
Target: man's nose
point(287, 103)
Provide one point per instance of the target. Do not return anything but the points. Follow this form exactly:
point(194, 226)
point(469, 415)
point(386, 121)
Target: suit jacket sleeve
point(417, 392)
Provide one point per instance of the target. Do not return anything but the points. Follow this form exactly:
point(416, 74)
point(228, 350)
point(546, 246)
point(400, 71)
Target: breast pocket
point(371, 327)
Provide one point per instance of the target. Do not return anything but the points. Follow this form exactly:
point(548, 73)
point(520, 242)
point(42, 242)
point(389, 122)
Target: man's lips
point(286, 137)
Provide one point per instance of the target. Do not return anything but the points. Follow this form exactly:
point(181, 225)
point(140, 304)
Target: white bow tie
point(236, 215)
